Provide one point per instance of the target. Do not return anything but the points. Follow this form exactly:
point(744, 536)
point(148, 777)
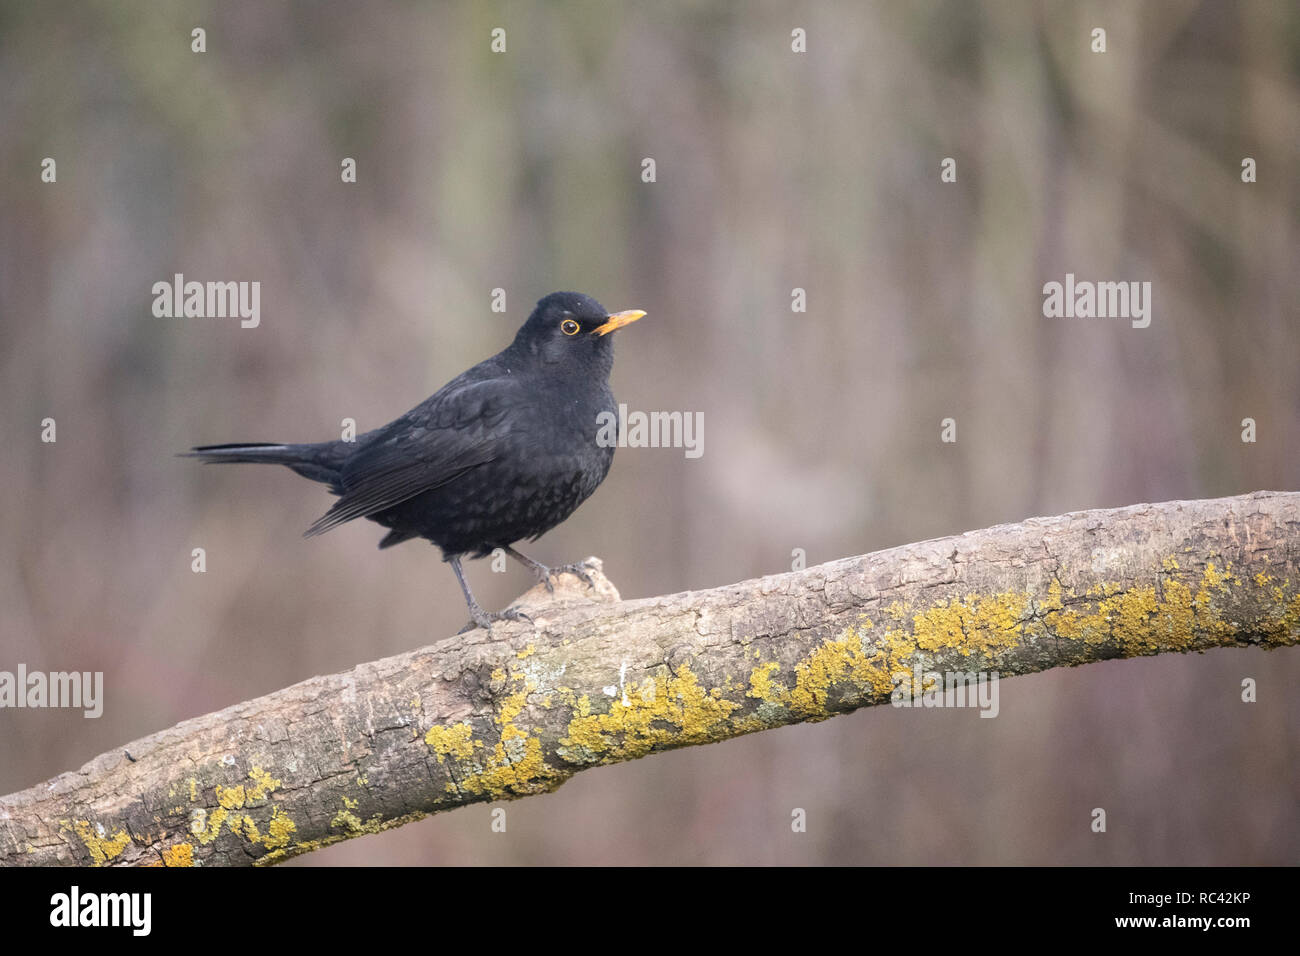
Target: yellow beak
point(618, 320)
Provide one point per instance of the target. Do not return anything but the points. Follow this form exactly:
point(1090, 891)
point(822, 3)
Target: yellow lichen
point(1145, 619)
point(845, 662)
point(348, 820)
point(237, 797)
point(181, 854)
point(232, 798)
point(263, 783)
point(207, 826)
point(511, 708)
point(976, 624)
point(668, 712)
point(375, 824)
point(102, 848)
point(1283, 621)
point(764, 688)
point(515, 764)
point(454, 741)
point(279, 831)
point(248, 826)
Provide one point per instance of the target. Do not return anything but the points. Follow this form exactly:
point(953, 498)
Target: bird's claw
point(579, 570)
point(547, 575)
point(484, 619)
point(511, 614)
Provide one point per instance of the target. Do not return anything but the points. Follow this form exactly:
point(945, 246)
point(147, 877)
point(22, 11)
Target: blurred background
point(774, 170)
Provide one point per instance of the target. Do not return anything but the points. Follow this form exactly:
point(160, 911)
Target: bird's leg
point(541, 571)
point(544, 574)
point(481, 617)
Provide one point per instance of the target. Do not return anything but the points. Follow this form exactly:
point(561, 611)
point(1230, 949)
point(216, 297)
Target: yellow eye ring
point(569, 327)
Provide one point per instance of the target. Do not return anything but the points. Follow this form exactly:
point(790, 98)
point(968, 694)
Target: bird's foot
point(484, 619)
point(580, 570)
point(544, 575)
point(547, 575)
point(510, 614)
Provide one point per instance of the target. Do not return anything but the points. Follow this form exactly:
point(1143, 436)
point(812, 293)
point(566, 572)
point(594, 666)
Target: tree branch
point(482, 717)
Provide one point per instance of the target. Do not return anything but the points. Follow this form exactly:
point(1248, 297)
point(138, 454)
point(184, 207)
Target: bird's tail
point(319, 462)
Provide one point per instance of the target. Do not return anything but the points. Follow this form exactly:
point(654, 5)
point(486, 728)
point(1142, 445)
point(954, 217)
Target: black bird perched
point(502, 452)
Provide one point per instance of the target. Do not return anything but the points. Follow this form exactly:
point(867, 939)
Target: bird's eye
point(569, 327)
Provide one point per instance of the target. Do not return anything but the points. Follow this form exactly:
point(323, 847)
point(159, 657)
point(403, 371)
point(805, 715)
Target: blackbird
point(503, 452)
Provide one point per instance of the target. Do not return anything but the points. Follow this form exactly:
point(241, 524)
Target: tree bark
point(489, 716)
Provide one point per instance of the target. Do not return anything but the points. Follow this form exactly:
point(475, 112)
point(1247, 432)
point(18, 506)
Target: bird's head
point(570, 327)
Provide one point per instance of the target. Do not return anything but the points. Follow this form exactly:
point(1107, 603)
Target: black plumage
point(501, 453)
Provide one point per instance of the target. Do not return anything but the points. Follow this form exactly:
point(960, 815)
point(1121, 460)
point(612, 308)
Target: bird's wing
point(458, 429)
